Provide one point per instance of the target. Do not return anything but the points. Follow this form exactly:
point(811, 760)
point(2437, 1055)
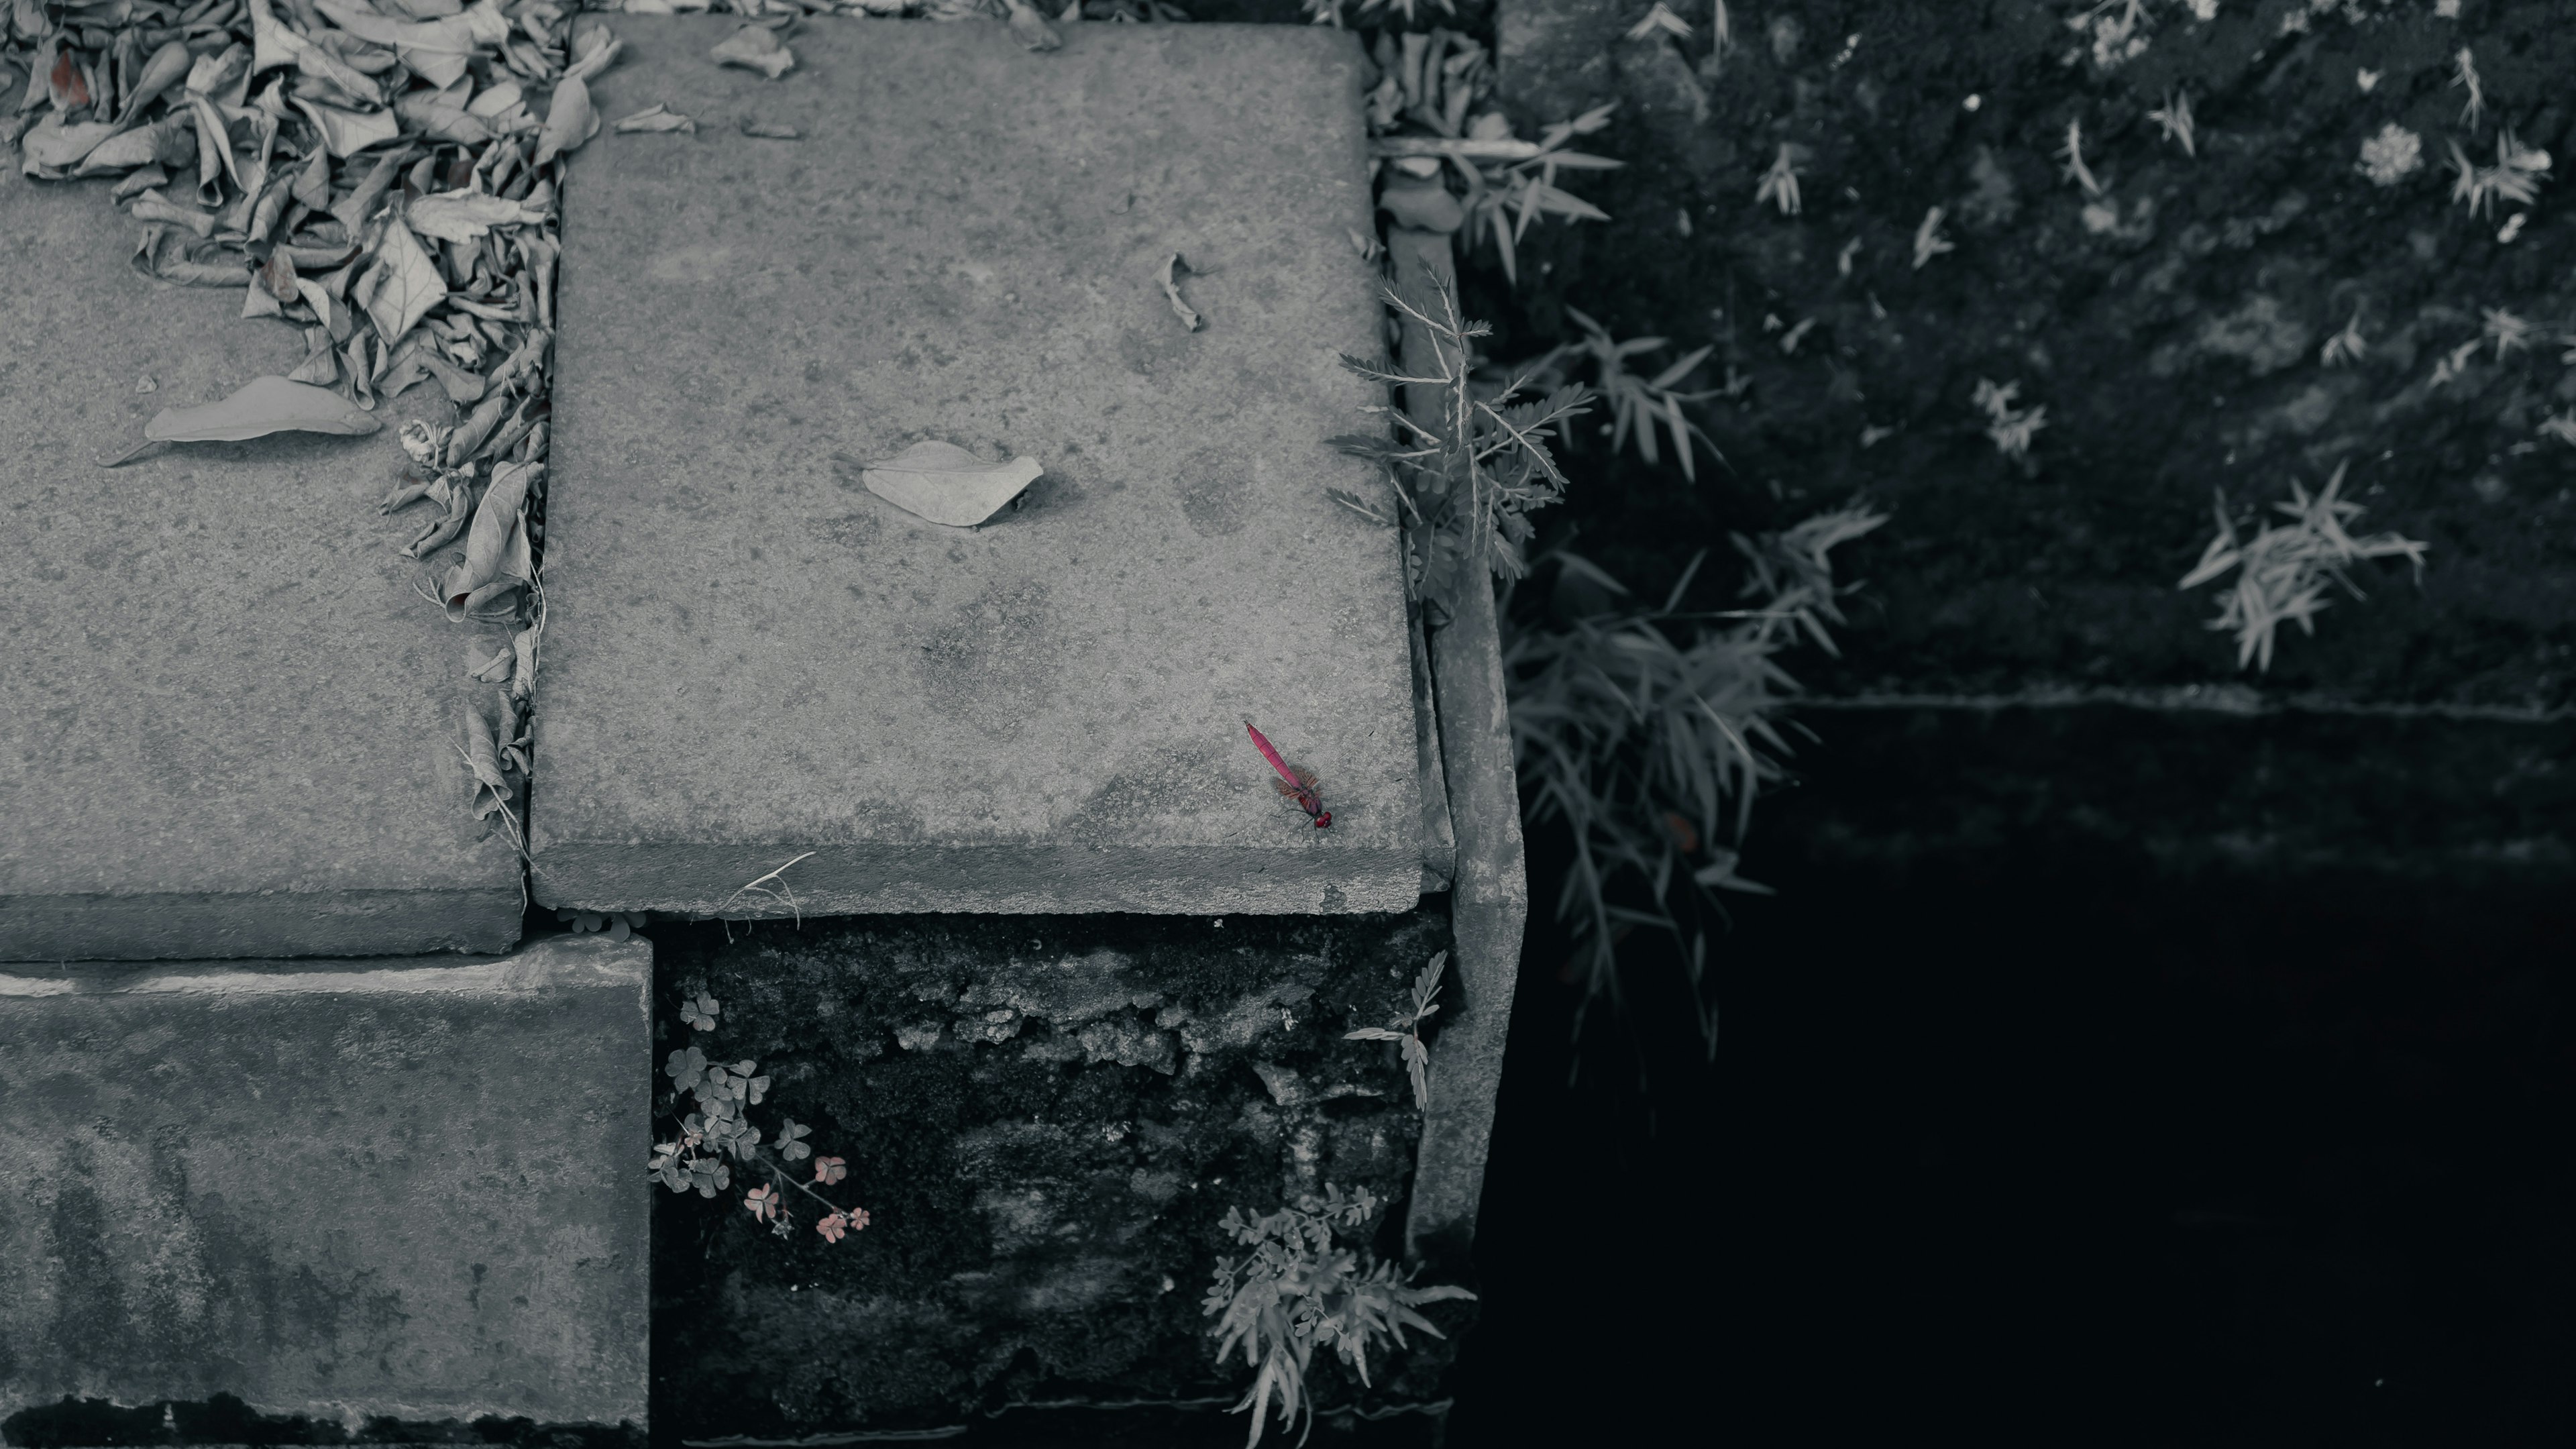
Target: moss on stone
point(1045, 1117)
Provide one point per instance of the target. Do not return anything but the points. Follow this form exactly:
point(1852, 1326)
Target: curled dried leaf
point(657, 117)
point(1173, 270)
point(570, 120)
point(756, 47)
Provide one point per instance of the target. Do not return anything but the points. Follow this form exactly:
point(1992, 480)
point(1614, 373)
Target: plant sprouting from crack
point(1406, 1030)
point(1466, 481)
point(1298, 1290)
point(1641, 731)
point(2282, 571)
point(719, 1129)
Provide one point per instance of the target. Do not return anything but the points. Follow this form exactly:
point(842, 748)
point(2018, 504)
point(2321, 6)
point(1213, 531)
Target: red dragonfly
point(1297, 784)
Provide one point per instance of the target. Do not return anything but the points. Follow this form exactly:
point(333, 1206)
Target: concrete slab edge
point(1489, 901)
point(829, 880)
point(1439, 834)
point(189, 926)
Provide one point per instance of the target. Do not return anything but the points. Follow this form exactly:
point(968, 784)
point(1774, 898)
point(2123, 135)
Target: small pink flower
point(832, 1227)
point(763, 1202)
point(830, 1169)
point(858, 1219)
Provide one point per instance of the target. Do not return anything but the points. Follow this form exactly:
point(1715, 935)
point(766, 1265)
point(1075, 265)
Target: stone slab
point(226, 721)
point(410, 1187)
point(751, 657)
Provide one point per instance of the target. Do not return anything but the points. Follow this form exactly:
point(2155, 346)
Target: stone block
point(751, 658)
point(407, 1187)
point(227, 725)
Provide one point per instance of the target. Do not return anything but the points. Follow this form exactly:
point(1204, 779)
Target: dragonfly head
point(1324, 819)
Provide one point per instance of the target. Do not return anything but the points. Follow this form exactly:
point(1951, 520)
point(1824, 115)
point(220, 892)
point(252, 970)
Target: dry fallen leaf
point(657, 117)
point(523, 677)
point(570, 120)
point(1029, 26)
point(946, 484)
point(54, 144)
point(496, 547)
point(770, 129)
point(265, 405)
point(346, 133)
point(491, 787)
point(407, 284)
point(757, 48)
point(493, 670)
point(424, 442)
point(463, 217)
point(153, 206)
point(453, 492)
point(1173, 270)
point(146, 384)
point(594, 49)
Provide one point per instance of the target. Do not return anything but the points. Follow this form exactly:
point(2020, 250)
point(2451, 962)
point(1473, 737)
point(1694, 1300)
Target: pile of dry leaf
point(382, 176)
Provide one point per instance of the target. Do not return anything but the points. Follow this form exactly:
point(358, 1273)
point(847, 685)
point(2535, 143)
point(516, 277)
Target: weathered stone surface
point(1489, 898)
point(409, 1187)
point(1047, 1118)
point(226, 723)
point(750, 656)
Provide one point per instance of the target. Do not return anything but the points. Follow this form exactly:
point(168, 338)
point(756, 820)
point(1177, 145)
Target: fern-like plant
point(1297, 1290)
point(1639, 730)
point(2282, 571)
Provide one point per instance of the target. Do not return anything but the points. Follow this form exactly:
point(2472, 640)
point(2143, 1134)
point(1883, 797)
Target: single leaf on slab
point(440, 121)
point(264, 405)
point(168, 66)
point(493, 670)
point(1173, 270)
point(362, 373)
point(523, 678)
point(424, 443)
point(772, 130)
point(491, 787)
point(137, 182)
point(757, 48)
point(1029, 26)
point(158, 143)
point(470, 434)
point(153, 206)
point(657, 117)
point(53, 144)
point(463, 217)
point(462, 387)
point(946, 484)
point(453, 492)
point(277, 274)
point(409, 287)
point(593, 49)
point(273, 45)
point(346, 133)
point(66, 82)
point(218, 73)
point(321, 366)
point(570, 120)
point(353, 210)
